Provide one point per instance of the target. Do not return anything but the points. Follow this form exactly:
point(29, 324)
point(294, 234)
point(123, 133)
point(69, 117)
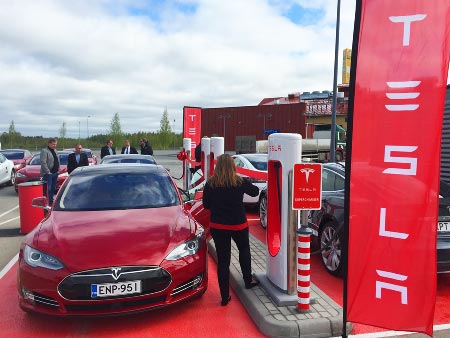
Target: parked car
point(7, 172)
point(119, 239)
point(128, 158)
point(328, 222)
point(92, 158)
point(18, 156)
point(256, 162)
point(32, 171)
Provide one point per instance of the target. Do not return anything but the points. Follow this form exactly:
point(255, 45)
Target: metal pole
point(333, 112)
point(87, 129)
point(79, 130)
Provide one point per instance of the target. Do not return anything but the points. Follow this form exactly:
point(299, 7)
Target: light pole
point(173, 133)
point(333, 109)
point(79, 131)
point(87, 129)
point(268, 115)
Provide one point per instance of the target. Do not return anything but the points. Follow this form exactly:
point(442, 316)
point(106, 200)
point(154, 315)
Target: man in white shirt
point(128, 149)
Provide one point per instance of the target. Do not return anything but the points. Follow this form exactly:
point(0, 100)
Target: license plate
point(115, 289)
point(443, 226)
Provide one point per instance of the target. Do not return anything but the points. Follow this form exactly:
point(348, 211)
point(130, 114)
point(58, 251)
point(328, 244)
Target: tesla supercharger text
point(284, 150)
point(187, 172)
point(217, 149)
point(206, 146)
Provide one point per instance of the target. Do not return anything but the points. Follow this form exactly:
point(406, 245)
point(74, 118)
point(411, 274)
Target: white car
point(7, 172)
point(257, 162)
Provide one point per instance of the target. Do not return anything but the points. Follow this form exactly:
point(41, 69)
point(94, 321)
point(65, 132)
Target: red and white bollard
point(303, 268)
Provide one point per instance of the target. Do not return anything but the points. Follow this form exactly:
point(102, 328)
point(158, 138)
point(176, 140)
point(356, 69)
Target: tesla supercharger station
point(284, 150)
point(206, 146)
point(187, 172)
point(217, 149)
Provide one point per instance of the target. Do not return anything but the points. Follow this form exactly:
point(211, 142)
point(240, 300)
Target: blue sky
point(62, 61)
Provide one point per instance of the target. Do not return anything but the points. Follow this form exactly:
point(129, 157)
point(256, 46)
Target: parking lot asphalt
point(323, 320)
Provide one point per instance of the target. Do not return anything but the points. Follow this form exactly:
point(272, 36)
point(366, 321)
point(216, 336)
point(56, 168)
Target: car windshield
point(13, 155)
point(260, 162)
point(36, 160)
point(111, 191)
point(88, 153)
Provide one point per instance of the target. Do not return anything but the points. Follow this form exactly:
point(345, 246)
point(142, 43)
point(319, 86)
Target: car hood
point(35, 170)
point(91, 239)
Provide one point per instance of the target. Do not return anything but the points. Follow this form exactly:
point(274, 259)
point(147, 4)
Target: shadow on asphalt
point(10, 232)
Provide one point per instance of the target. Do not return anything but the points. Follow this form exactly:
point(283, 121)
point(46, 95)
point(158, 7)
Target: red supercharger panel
point(307, 186)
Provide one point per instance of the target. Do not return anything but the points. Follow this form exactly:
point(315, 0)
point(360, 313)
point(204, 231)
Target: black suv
point(328, 222)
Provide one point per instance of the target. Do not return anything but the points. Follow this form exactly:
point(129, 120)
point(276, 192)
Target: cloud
point(62, 61)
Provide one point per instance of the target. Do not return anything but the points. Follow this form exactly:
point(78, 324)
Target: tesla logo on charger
point(307, 186)
point(307, 172)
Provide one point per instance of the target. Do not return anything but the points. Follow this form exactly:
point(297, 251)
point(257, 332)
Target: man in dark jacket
point(128, 149)
point(146, 148)
point(108, 149)
point(77, 159)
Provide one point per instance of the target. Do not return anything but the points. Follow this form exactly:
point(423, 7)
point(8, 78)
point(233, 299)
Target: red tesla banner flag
point(399, 90)
point(192, 125)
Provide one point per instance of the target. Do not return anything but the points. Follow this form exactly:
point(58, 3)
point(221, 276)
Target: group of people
point(50, 161)
point(108, 149)
point(223, 195)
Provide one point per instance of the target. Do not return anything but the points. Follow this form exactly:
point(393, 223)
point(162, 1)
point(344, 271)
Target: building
point(296, 113)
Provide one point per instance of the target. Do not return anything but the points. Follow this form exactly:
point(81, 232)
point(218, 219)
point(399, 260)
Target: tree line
point(163, 139)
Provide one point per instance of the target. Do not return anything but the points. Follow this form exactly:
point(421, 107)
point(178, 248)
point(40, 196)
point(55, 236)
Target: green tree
point(12, 134)
point(116, 130)
point(165, 132)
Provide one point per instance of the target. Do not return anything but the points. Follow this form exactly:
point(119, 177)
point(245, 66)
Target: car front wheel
point(263, 211)
point(12, 179)
point(331, 248)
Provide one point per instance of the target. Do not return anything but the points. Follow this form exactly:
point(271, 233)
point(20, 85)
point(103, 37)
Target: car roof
point(114, 168)
point(254, 156)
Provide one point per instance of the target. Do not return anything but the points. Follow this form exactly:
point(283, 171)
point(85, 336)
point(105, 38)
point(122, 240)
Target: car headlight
point(188, 248)
point(19, 174)
point(37, 258)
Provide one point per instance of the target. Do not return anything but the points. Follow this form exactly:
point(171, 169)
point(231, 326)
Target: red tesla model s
point(118, 240)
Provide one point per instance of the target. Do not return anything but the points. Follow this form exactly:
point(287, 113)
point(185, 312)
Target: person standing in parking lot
point(107, 149)
point(146, 148)
point(49, 168)
point(128, 149)
point(223, 196)
point(77, 159)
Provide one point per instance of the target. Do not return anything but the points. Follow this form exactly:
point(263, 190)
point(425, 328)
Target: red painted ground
point(333, 286)
point(200, 318)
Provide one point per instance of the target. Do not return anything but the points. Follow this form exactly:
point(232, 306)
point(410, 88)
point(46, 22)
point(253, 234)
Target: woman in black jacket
point(223, 195)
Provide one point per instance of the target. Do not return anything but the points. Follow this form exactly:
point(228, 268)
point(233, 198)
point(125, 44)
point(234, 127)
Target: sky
point(80, 62)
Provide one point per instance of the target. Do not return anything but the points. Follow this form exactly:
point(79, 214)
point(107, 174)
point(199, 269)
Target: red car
point(32, 171)
point(18, 156)
point(93, 159)
point(118, 240)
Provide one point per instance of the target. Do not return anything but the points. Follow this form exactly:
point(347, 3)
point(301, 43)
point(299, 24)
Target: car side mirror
point(41, 202)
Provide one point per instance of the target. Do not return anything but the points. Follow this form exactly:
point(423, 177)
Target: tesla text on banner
point(192, 123)
point(402, 64)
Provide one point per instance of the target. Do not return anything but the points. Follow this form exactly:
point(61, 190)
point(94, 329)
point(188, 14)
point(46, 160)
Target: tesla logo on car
point(116, 273)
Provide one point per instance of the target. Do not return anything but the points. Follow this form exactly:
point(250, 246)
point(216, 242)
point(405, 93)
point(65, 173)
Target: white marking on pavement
point(9, 265)
point(10, 220)
point(10, 210)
